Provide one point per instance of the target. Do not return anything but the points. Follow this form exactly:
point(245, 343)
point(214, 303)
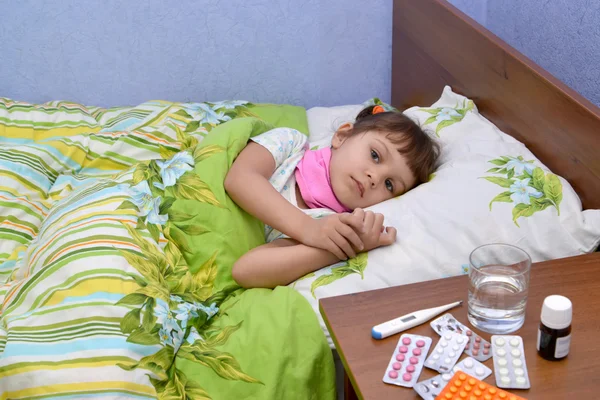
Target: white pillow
point(478, 195)
point(324, 121)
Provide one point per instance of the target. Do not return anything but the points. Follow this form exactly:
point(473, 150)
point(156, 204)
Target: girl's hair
point(419, 148)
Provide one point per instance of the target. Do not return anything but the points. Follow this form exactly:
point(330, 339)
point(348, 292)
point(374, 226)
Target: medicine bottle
point(554, 333)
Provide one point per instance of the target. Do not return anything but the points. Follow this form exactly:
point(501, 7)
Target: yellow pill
point(477, 392)
point(492, 390)
point(453, 389)
point(502, 395)
point(462, 377)
point(467, 388)
point(449, 396)
point(457, 383)
point(482, 386)
point(472, 382)
point(463, 395)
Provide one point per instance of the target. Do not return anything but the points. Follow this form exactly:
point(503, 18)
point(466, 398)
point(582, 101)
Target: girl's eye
point(375, 156)
point(389, 186)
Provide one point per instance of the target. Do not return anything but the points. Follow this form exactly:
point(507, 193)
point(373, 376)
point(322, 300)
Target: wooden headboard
point(434, 44)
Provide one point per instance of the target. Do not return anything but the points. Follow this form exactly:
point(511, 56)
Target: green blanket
point(118, 285)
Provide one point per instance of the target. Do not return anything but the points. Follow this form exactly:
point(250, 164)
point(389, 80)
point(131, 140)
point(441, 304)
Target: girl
point(312, 201)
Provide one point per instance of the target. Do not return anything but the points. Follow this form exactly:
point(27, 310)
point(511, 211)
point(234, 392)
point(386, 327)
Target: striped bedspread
point(62, 237)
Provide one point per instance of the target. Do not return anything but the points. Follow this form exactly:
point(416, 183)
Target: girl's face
point(367, 168)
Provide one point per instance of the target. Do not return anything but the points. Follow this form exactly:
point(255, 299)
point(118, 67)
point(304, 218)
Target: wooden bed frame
point(434, 44)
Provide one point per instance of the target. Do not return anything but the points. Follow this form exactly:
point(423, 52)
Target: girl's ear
point(340, 136)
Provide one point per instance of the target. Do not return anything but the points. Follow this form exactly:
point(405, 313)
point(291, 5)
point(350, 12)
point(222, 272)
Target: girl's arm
point(285, 260)
point(247, 183)
point(279, 263)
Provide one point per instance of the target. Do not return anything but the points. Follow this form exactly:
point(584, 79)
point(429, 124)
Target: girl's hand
point(374, 234)
point(338, 234)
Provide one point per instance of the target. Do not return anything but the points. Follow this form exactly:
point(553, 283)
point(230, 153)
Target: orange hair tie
point(377, 110)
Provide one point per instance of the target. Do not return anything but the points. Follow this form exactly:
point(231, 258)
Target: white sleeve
point(282, 143)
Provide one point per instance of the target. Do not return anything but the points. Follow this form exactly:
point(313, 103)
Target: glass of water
point(498, 286)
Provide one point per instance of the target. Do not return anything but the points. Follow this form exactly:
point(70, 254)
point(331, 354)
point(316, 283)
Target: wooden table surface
point(350, 318)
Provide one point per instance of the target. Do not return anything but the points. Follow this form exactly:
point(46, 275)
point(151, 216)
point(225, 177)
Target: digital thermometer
point(407, 321)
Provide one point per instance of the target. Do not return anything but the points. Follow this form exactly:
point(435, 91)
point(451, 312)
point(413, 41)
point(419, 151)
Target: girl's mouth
point(360, 187)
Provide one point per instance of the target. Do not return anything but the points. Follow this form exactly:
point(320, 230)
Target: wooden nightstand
point(349, 319)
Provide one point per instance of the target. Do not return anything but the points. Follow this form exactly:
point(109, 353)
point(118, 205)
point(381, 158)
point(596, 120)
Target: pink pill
point(406, 341)
point(476, 345)
point(486, 345)
point(397, 366)
point(478, 339)
point(417, 352)
point(407, 377)
point(486, 351)
point(420, 343)
point(400, 357)
point(414, 360)
point(469, 333)
point(393, 374)
point(410, 368)
point(475, 352)
point(403, 349)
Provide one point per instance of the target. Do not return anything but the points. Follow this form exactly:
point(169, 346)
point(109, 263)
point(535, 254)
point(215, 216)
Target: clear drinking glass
point(498, 286)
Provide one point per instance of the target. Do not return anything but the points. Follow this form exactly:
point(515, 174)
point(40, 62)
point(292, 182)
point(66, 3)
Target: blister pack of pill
point(462, 386)
point(430, 388)
point(509, 362)
point(406, 363)
point(477, 347)
point(447, 352)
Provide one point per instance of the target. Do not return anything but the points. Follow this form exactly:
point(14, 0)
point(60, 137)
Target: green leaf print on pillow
point(446, 116)
point(528, 186)
point(327, 275)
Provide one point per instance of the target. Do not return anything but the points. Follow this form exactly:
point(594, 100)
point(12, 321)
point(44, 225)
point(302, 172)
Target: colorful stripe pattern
point(62, 237)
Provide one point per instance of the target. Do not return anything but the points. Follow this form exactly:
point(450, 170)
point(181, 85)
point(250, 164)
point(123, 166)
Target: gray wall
point(562, 36)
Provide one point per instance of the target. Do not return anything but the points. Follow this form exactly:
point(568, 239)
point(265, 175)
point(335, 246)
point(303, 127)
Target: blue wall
point(115, 52)
point(562, 36)
point(305, 52)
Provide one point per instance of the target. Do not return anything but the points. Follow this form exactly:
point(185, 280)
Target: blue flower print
point(147, 205)
point(164, 316)
point(184, 312)
point(142, 198)
point(229, 104)
point(177, 335)
point(210, 311)
point(165, 336)
point(446, 114)
point(176, 298)
point(154, 217)
point(207, 115)
point(193, 336)
point(465, 268)
point(519, 166)
point(171, 170)
point(522, 192)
